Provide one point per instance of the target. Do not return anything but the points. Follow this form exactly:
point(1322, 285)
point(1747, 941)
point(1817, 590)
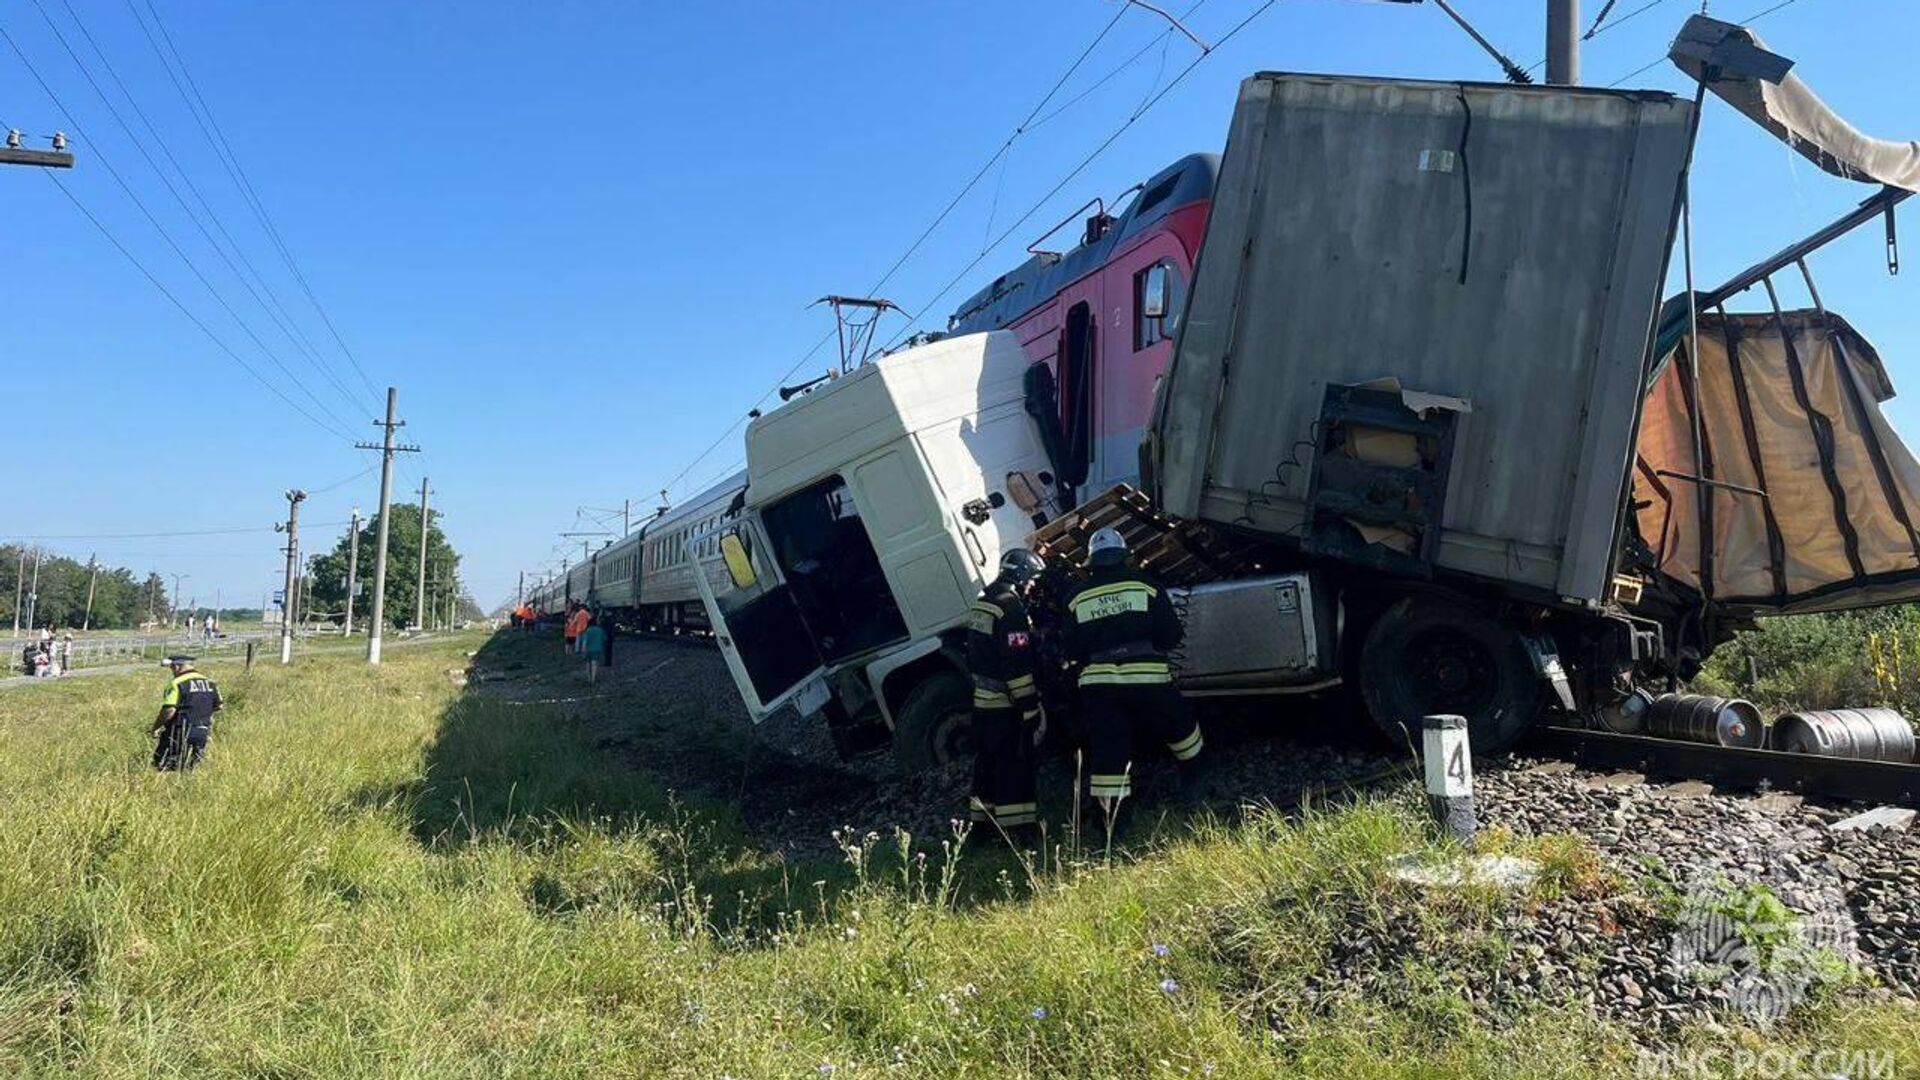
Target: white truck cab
point(876, 509)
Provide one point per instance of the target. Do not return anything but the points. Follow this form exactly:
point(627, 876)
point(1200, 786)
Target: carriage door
point(1079, 332)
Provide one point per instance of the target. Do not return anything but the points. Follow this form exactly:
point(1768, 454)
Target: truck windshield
point(833, 571)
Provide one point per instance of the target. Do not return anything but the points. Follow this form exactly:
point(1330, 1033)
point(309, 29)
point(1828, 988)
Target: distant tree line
point(121, 600)
point(327, 574)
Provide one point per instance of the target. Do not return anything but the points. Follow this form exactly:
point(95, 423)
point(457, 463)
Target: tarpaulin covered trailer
point(1496, 250)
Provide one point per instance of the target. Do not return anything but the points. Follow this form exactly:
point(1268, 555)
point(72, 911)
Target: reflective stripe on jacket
point(1121, 627)
point(1000, 658)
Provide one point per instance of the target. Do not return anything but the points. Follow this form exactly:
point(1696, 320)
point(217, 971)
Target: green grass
point(378, 874)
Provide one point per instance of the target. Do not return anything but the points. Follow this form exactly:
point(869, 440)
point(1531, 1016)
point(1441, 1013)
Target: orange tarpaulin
point(1814, 497)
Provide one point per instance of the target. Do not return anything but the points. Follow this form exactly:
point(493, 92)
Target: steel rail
point(1896, 783)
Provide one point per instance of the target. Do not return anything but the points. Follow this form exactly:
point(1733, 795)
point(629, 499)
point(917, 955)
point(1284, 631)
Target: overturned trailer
point(1462, 411)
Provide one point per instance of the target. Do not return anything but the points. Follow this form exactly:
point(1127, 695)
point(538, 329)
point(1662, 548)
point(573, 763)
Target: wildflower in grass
point(850, 933)
point(826, 1068)
point(1039, 1012)
point(1160, 950)
point(1169, 986)
point(969, 989)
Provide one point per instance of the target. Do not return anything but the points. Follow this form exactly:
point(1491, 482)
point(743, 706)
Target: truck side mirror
point(1153, 292)
point(739, 561)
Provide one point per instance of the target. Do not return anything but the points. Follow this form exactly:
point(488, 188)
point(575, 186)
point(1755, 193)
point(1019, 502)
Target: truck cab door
point(757, 623)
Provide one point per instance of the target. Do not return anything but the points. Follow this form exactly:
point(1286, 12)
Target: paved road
point(264, 655)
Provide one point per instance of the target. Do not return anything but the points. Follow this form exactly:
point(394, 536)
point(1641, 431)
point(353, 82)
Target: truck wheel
point(931, 728)
point(1426, 655)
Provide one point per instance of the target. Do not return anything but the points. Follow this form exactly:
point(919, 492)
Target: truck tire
point(931, 728)
point(1430, 655)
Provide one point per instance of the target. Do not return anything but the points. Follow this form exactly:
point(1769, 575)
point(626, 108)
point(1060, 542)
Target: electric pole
point(93, 575)
point(353, 566)
point(14, 152)
point(420, 580)
point(1563, 42)
point(174, 611)
point(20, 588)
point(290, 596)
point(520, 591)
point(626, 516)
point(387, 450)
point(33, 591)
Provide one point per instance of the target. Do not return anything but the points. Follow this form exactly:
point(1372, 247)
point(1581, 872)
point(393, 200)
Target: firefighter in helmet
point(1121, 628)
point(1006, 702)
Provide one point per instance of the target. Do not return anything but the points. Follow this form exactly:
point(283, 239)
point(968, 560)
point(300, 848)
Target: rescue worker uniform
point(1006, 707)
point(186, 719)
point(575, 626)
point(1121, 628)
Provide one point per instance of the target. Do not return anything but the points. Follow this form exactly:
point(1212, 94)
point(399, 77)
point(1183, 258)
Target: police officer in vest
point(1121, 628)
point(1006, 702)
point(186, 717)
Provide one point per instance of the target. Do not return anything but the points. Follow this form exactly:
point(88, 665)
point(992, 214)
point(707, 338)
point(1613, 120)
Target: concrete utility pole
point(1563, 42)
point(20, 588)
point(387, 450)
point(291, 595)
point(520, 591)
point(353, 565)
point(33, 590)
point(626, 516)
point(420, 580)
point(175, 612)
point(93, 575)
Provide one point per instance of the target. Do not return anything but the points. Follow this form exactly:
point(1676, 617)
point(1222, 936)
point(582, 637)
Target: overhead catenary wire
point(1089, 159)
point(276, 311)
point(184, 310)
point(336, 426)
point(1115, 71)
point(1662, 58)
point(216, 138)
point(1601, 25)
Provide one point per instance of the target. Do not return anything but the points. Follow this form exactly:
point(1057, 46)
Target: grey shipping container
point(1500, 248)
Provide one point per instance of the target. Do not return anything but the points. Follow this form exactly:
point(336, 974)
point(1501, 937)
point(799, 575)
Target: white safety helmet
point(1108, 539)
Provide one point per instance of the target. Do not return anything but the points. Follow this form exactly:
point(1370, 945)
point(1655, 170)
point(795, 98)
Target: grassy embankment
point(386, 875)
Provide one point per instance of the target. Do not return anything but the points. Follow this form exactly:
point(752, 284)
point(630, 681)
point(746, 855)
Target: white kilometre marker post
point(1449, 768)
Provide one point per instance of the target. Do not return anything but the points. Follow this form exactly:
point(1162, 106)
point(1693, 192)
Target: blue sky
point(581, 237)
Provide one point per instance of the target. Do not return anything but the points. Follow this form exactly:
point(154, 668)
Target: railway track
point(1894, 783)
point(1833, 778)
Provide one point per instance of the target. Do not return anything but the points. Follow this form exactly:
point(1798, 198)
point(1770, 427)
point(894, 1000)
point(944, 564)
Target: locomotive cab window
point(1158, 293)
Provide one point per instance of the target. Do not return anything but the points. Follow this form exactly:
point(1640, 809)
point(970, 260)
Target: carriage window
point(1158, 295)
